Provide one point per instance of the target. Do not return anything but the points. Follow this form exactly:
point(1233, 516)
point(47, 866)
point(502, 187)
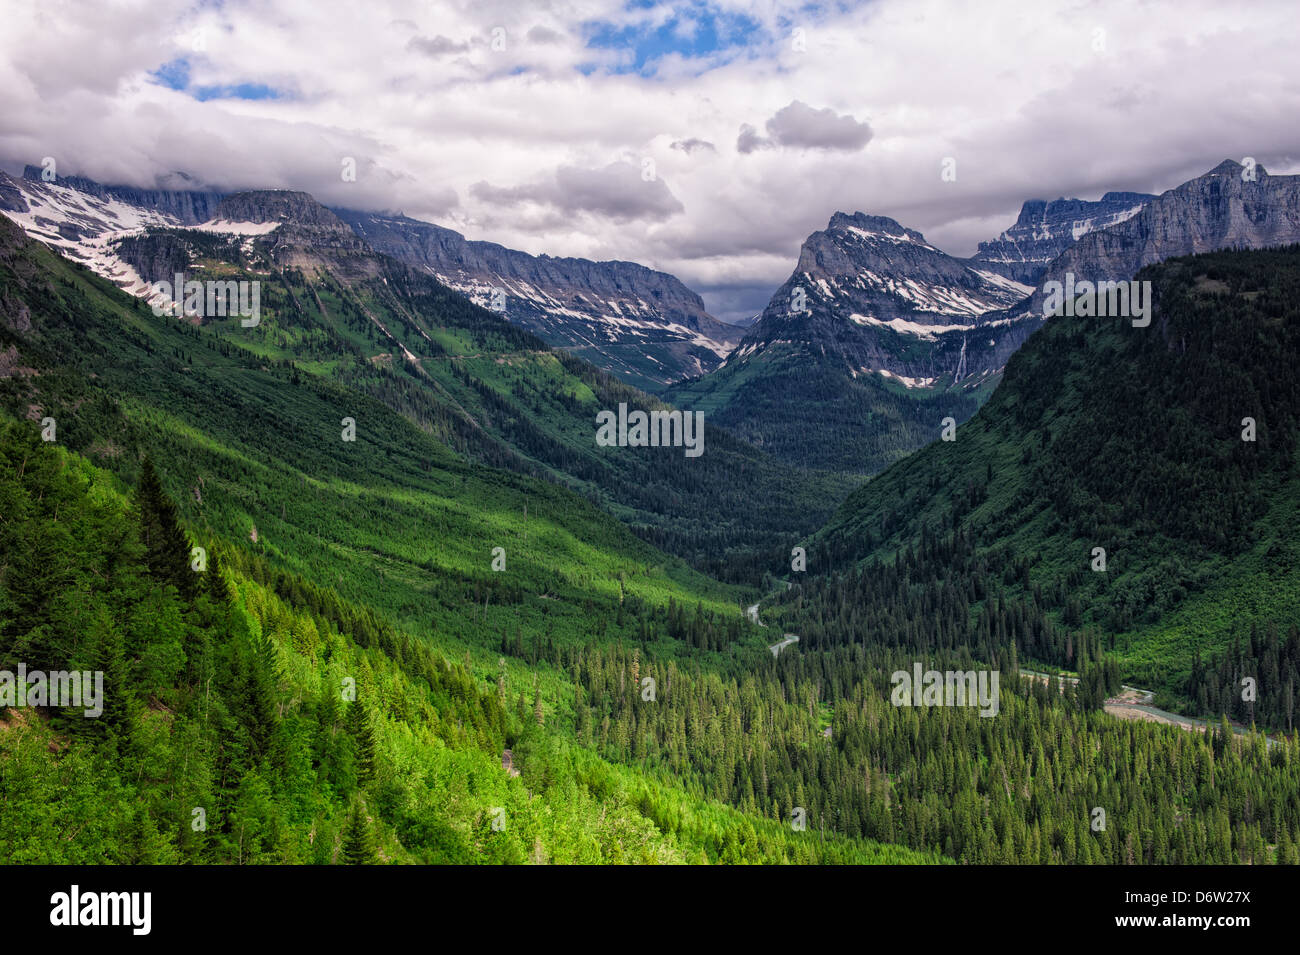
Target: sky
point(707, 139)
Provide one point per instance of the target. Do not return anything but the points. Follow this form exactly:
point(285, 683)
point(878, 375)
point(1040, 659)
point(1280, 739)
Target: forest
point(411, 648)
point(1172, 448)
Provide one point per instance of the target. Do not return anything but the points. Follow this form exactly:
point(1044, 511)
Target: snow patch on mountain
point(643, 325)
point(905, 380)
point(905, 327)
point(85, 227)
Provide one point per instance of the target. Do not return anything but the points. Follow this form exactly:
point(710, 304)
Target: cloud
point(800, 126)
point(538, 141)
point(618, 192)
point(691, 145)
point(749, 140)
point(543, 35)
point(435, 46)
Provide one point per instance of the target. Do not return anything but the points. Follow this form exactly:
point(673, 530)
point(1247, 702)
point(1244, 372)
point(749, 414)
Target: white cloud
point(619, 192)
point(1032, 100)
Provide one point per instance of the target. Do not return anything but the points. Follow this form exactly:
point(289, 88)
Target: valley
point(625, 433)
point(402, 494)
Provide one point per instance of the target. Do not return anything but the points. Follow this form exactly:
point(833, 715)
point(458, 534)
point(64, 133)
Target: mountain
point(1228, 207)
point(172, 195)
point(899, 336)
point(252, 442)
point(493, 391)
point(862, 351)
point(81, 219)
point(1044, 230)
point(1130, 439)
point(327, 564)
point(279, 206)
point(646, 720)
point(875, 273)
point(644, 326)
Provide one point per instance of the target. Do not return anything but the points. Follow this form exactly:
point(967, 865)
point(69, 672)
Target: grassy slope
point(500, 395)
point(72, 795)
point(393, 519)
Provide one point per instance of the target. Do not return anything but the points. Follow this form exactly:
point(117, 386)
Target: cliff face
point(1044, 230)
point(871, 296)
point(1219, 210)
point(644, 326)
point(306, 234)
point(83, 220)
point(278, 206)
point(172, 198)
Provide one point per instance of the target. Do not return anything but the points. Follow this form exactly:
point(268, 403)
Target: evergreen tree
point(363, 739)
point(167, 547)
point(261, 711)
point(358, 838)
point(218, 587)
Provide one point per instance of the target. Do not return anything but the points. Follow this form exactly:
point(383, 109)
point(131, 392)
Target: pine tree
point(263, 713)
point(146, 845)
point(167, 547)
point(105, 653)
point(363, 738)
point(358, 838)
point(218, 588)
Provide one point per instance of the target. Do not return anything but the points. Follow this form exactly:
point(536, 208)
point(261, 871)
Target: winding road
point(1132, 703)
point(776, 648)
point(1135, 703)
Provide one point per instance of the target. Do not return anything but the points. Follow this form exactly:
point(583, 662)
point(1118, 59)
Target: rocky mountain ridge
point(643, 325)
point(1044, 230)
point(877, 335)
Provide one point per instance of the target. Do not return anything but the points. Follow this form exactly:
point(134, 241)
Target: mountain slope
point(367, 562)
point(330, 305)
point(244, 718)
point(1129, 439)
point(258, 452)
point(172, 196)
point(899, 336)
point(644, 326)
point(862, 352)
point(1044, 230)
point(224, 737)
point(1223, 209)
